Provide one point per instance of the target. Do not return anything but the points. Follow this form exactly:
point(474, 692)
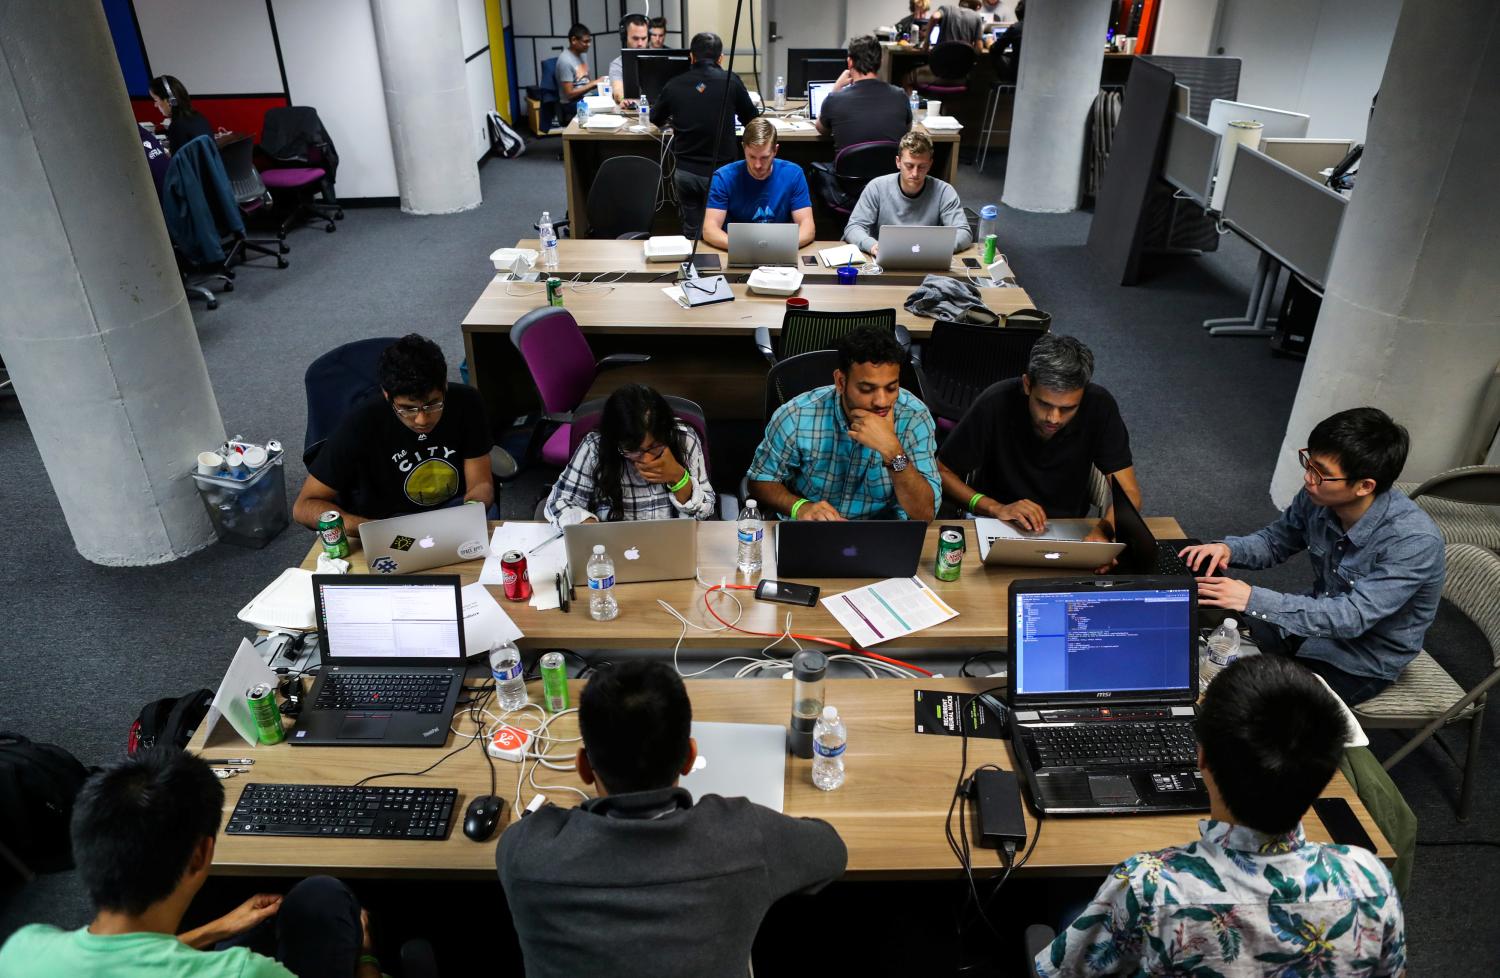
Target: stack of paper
point(841, 255)
point(942, 123)
point(790, 125)
point(604, 122)
point(888, 609)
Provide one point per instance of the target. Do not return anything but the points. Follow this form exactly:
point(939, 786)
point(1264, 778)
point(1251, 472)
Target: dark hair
point(1060, 363)
point(169, 89)
point(868, 344)
point(135, 826)
point(1020, 9)
point(706, 47)
point(579, 30)
point(635, 719)
point(1367, 443)
point(629, 414)
point(864, 52)
point(1272, 736)
point(633, 20)
point(412, 366)
point(658, 22)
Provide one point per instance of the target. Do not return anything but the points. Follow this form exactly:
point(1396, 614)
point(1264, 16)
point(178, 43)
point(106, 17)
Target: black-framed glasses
point(649, 455)
point(431, 407)
point(1318, 478)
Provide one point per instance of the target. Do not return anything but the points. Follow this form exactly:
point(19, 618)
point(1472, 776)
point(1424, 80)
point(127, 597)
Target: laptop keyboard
point(413, 693)
point(1168, 563)
point(339, 810)
point(1153, 743)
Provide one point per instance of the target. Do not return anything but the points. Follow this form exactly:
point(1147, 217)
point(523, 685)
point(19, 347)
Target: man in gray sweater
point(640, 881)
point(908, 197)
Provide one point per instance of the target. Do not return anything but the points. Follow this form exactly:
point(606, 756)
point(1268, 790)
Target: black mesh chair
point(807, 371)
point(960, 360)
point(621, 200)
point(804, 330)
point(251, 194)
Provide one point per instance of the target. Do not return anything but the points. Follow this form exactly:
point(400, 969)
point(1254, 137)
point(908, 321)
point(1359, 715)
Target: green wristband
point(975, 502)
point(686, 478)
point(369, 959)
point(796, 506)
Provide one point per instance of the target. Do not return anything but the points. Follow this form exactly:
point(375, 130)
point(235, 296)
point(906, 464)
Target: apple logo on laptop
point(851, 551)
point(426, 542)
point(916, 249)
point(633, 553)
point(1052, 555)
point(699, 763)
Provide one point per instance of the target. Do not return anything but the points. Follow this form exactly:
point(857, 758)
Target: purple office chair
point(586, 419)
point(563, 368)
point(853, 167)
point(303, 164)
point(951, 62)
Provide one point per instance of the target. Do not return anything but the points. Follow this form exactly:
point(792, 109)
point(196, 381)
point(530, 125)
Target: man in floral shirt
point(1251, 897)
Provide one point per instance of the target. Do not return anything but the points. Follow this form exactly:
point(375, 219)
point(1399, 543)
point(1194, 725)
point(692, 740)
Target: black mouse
point(482, 815)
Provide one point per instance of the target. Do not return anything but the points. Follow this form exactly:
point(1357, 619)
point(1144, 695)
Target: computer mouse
point(482, 815)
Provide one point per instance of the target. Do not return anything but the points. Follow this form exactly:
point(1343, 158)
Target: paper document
point(842, 255)
point(675, 293)
point(486, 624)
point(245, 671)
point(790, 125)
point(888, 609)
point(549, 560)
point(604, 122)
point(942, 123)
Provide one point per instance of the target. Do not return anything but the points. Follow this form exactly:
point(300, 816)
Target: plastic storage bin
point(247, 512)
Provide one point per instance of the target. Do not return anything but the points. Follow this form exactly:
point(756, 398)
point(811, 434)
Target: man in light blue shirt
point(1377, 561)
point(760, 189)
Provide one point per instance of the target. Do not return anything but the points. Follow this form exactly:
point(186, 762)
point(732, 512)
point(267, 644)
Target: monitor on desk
point(649, 70)
point(1192, 155)
point(1291, 218)
point(816, 92)
point(804, 65)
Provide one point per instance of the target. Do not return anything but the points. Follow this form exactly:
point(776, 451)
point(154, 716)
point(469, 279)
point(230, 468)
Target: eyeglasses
point(649, 455)
point(432, 407)
point(1318, 478)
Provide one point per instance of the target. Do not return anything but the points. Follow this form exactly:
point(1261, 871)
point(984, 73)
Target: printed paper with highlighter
point(888, 609)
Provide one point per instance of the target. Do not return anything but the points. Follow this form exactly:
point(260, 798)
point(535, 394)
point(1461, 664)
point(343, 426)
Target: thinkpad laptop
point(1144, 554)
point(739, 760)
point(849, 548)
point(643, 550)
point(393, 661)
point(1104, 678)
point(917, 249)
point(1060, 545)
point(420, 541)
point(762, 244)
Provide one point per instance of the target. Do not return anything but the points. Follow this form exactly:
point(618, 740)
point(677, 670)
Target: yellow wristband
point(975, 502)
point(686, 478)
point(796, 506)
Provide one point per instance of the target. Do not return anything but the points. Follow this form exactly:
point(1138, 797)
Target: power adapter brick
point(997, 809)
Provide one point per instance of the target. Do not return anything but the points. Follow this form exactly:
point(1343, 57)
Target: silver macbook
point(816, 92)
point(739, 760)
point(919, 249)
point(643, 550)
point(762, 244)
point(1060, 545)
point(419, 541)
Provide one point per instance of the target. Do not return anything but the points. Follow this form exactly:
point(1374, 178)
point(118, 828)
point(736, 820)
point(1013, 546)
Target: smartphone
point(972, 263)
point(787, 593)
point(810, 260)
point(706, 263)
point(1342, 825)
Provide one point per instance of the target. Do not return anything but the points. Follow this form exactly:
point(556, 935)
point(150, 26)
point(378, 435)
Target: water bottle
point(510, 687)
point(607, 87)
point(989, 222)
point(750, 533)
point(780, 92)
point(1222, 648)
point(643, 108)
point(829, 740)
point(549, 240)
point(602, 604)
point(915, 105)
point(583, 113)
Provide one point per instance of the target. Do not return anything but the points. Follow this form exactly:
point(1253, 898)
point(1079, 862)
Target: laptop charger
point(997, 809)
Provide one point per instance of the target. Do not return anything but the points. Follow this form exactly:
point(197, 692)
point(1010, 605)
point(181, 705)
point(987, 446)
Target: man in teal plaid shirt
point(859, 449)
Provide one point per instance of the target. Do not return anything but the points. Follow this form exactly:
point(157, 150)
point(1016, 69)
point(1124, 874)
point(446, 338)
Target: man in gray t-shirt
point(573, 81)
point(909, 198)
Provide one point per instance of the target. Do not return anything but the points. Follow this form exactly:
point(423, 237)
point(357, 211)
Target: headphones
point(171, 95)
point(625, 28)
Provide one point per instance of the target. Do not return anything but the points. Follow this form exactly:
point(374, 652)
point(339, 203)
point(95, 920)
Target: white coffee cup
point(209, 463)
point(934, 107)
point(235, 463)
point(255, 457)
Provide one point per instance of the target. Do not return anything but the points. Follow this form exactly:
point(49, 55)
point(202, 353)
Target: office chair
point(803, 330)
point(808, 371)
point(960, 360)
point(841, 182)
point(1461, 502)
point(951, 62)
point(622, 199)
point(336, 382)
point(303, 163)
point(1006, 65)
point(201, 216)
point(251, 194)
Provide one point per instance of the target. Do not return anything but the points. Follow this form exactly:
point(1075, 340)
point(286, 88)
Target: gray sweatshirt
point(883, 203)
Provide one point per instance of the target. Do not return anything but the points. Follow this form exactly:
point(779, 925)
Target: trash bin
point(247, 512)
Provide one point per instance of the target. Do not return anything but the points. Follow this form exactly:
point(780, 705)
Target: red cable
point(806, 638)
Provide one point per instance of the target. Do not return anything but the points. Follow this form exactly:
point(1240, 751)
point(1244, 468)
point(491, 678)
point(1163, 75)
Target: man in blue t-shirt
point(758, 190)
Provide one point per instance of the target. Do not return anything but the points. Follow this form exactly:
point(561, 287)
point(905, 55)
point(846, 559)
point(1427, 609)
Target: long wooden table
point(979, 597)
point(890, 812)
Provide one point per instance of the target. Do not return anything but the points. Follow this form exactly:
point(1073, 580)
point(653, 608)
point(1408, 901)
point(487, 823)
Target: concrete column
point(1059, 77)
point(427, 101)
point(1410, 321)
point(94, 325)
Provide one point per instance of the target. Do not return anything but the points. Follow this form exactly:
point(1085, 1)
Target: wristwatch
point(898, 463)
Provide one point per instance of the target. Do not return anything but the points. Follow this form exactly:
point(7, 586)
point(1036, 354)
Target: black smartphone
point(1342, 825)
point(972, 263)
point(706, 263)
point(810, 260)
point(787, 592)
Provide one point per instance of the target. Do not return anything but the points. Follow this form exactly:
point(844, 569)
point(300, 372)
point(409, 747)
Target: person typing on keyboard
point(143, 836)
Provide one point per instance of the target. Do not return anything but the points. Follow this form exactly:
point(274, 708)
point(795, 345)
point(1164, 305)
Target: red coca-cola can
point(513, 574)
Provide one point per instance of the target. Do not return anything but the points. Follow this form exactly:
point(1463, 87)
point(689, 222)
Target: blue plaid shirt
point(807, 448)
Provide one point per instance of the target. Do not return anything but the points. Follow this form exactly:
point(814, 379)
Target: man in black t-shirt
point(862, 108)
point(424, 445)
point(1023, 450)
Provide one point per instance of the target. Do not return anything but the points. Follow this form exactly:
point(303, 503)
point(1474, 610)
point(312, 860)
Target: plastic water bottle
point(989, 222)
point(583, 113)
point(643, 109)
point(829, 740)
point(916, 104)
point(607, 87)
point(549, 240)
point(780, 92)
point(510, 687)
point(750, 533)
point(1222, 648)
point(602, 603)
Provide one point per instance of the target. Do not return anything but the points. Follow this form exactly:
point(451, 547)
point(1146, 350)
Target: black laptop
point(1144, 554)
point(1103, 684)
point(849, 548)
point(393, 661)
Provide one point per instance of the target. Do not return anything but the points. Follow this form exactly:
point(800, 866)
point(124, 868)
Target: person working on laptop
point(1251, 896)
point(425, 443)
point(573, 82)
point(143, 836)
point(1378, 562)
point(859, 449)
point(913, 26)
point(862, 108)
point(760, 189)
point(642, 464)
point(634, 35)
point(949, 23)
point(641, 880)
point(693, 104)
point(907, 197)
point(1024, 449)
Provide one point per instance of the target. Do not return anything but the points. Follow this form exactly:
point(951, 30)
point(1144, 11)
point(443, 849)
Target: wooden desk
point(890, 812)
point(979, 597)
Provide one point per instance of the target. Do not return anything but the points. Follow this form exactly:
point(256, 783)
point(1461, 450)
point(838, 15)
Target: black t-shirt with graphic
point(381, 468)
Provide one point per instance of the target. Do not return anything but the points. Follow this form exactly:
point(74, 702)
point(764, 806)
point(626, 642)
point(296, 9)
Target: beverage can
point(554, 292)
point(262, 701)
point(513, 576)
point(331, 530)
point(990, 245)
point(554, 668)
point(950, 555)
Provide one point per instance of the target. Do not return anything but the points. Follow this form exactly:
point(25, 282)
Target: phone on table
point(810, 260)
point(706, 263)
point(972, 263)
point(1342, 824)
point(786, 592)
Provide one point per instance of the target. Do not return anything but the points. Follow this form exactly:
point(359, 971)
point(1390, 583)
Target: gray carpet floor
point(85, 647)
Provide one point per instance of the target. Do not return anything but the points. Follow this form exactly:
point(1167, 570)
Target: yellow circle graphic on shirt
point(432, 482)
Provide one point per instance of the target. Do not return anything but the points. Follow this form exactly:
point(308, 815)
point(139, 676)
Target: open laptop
point(918, 249)
point(419, 541)
point(762, 244)
point(1059, 545)
point(816, 92)
point(849, 548)
point(1144, 554)
point(1103, 682)
point(393, 661)
point(643, 550)
point(739, 760)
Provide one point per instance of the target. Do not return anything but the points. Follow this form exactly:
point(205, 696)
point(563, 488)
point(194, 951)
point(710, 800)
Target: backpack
point(170, 721)
point(504, 140)
point(38, 785)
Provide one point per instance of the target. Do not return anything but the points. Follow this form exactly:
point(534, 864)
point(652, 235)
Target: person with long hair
point(184, 123)
point(641, 464)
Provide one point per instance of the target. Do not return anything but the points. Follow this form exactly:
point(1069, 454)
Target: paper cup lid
point(255, 456)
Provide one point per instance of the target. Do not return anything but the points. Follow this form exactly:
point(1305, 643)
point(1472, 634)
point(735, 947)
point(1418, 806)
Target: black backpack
point(504, 140)
point(170, 721)
point(38, 784)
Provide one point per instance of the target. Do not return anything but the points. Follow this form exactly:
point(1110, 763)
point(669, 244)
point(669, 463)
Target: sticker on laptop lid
point(472, 549)
point(384, 565)
point(402, 543)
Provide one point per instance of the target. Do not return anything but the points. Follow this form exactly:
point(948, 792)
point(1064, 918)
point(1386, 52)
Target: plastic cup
point(848, 274)
point(209, 463)
point(797, 302)
point(934, 107)
point(235, 462)
point(255, 457)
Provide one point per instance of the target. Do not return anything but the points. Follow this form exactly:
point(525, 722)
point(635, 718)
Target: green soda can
point(950, 555)
point(331, 529)
point(990, 246)
point(262, 700)
point(554, 292)
point(554, 682)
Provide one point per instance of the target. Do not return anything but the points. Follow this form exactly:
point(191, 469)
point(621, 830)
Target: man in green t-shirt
point(143, 841)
